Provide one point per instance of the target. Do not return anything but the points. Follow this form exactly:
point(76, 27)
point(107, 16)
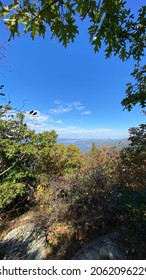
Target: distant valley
point(86, 144)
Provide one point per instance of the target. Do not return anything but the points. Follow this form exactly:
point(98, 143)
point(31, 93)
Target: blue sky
point(75, 91)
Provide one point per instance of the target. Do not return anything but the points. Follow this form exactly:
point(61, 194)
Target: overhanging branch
point(45, 8)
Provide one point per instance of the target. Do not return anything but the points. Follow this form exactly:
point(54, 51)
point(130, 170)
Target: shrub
point(133, 159)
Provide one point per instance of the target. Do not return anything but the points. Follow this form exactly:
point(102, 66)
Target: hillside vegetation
point(78, 196)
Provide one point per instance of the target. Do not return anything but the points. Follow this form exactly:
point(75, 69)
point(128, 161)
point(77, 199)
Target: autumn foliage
point(78, 196)
point(133, 159)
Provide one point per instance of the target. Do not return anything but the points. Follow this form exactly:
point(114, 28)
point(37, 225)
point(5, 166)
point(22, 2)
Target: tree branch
point(45, 8)
point(10, 167)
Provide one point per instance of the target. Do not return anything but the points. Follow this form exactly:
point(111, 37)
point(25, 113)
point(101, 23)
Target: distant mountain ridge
point(86, 144)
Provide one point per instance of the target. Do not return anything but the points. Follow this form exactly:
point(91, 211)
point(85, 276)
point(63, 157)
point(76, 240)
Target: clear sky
point(75, 91)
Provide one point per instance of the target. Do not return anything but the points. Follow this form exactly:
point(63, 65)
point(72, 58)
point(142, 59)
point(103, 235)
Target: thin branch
point(19, 109)
point(10, 167)
point(45, 8)
point(14, 208)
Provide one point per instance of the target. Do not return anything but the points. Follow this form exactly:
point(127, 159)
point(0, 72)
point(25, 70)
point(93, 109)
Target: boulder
point(104, 248)
point(25, 242)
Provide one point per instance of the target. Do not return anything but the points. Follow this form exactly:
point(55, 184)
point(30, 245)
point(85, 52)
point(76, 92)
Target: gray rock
point(24, 242)
point(104, 248)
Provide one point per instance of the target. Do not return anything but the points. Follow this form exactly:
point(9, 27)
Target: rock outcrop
point(104, 248)
point(26, 241)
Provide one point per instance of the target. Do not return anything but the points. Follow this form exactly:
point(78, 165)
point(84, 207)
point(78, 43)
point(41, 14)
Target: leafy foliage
point(103, 161)
point(9, 191)
point(60, 159)
point(28, 158)
point(134, 159)
point(96, 201)
point(128, 212)
point(19, 154)
point(58, 238)
point(79, 201)
point(136, 93)
point(111, 22)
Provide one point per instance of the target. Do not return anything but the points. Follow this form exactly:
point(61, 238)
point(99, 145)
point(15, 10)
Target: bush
point(9, 192)
point(133, 159)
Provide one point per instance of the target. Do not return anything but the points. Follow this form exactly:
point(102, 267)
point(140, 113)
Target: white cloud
point(64, 107)
point(86, 113)
point(39, 117)
point(39, 122)
point(47, 123)
point(80, 108)
point(76, 132)
point(78, 105)
point(59, 122)
point(60, 110)
point(96, 133)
